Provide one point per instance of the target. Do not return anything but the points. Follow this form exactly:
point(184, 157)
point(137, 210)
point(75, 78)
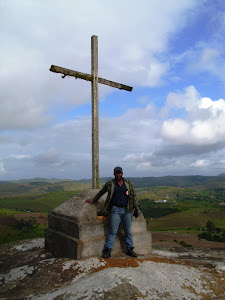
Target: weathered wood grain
point(88, 77)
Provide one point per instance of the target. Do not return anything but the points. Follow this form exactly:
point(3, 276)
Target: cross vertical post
point(93, 77)
point(95, 113)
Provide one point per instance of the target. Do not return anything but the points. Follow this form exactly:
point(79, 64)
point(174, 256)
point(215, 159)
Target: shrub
point(26, 225)
point(182, 243)
point(212, 233)
point(206, 235)
point(210, 226)
point(217, 238)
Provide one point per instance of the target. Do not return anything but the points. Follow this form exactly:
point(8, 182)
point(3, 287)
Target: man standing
point(121, 202)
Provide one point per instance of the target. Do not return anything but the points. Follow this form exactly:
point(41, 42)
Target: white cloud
point(205, 59)
point(2, 170)
point(36, 35)
point(210, 59)
point(135, 49)
point(201, 163)
point(19, 156)
point(50, 157)
point(4, 139)
point(175, 130)
point(144, 166)
point(132, 158)
point(132, 140)
point(203, 123)
point(187, 99)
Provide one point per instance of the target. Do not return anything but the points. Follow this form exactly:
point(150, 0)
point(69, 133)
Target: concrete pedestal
point(76, 232)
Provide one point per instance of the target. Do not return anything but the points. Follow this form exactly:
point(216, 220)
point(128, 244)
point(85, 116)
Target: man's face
point(118, 175)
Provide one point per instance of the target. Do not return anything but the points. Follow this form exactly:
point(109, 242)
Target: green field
point(185, 210)
point(11, 206)
point(189, 220)
point(13, 228)
point(37, 202)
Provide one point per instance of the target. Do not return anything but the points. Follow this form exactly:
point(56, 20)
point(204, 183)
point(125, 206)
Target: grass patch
point(9, 234)
point(8, 212)
point(41, 202)
point(187, 220)
point(13, 229)
point(182, 243)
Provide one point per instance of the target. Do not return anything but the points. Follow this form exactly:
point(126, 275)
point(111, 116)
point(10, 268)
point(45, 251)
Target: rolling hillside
point(40, 185)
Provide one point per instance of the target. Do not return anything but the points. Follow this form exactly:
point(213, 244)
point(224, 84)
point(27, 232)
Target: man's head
point(118, 170)
point(118, 173)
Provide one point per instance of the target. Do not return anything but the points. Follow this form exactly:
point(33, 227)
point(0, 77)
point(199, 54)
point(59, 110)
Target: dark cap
point(118, 169)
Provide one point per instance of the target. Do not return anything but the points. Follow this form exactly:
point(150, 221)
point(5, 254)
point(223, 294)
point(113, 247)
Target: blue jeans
point(119, 214)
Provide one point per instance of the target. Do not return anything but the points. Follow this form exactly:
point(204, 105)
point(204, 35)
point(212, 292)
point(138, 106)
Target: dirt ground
point(39, 217)
point(167, 240)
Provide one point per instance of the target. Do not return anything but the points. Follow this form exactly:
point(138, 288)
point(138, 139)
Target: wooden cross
point(95, 116)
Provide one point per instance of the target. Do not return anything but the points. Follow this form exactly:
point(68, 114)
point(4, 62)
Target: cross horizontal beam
point(88, 77)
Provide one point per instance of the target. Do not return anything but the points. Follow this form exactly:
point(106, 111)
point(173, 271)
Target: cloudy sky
point(171, 52)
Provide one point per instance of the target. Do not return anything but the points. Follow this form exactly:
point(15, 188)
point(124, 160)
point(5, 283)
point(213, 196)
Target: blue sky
point(171, 52)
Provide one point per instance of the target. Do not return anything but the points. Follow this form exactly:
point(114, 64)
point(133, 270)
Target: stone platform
point(76, 232)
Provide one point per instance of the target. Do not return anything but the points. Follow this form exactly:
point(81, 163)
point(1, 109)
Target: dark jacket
point(109, 187)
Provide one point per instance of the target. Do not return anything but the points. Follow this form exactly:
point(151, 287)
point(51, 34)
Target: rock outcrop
point(76, 232)
point(29, 272)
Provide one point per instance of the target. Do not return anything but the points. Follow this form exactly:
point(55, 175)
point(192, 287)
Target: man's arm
point(135, 204)
point(134, 196)
point(98, 195)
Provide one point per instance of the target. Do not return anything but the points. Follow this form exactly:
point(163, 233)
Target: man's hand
point(89, 201)
point(136, 212)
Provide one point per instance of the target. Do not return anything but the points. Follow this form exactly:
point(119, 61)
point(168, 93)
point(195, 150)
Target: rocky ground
point(170, 272)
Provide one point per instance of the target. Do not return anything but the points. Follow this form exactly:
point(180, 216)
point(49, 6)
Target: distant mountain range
point(44, 184)
point(181, 181)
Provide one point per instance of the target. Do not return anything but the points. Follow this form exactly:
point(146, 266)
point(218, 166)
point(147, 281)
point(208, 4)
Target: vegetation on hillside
point(37, 202)
point(41, 185)
point(13, 228)
point(181, 209)
point(169, 203)
point(212, 233)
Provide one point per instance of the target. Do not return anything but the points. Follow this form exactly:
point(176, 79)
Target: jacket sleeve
point(100, 193)
point(134, 196)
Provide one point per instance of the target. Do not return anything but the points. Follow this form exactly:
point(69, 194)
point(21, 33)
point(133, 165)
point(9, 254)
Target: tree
point(210, 226)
